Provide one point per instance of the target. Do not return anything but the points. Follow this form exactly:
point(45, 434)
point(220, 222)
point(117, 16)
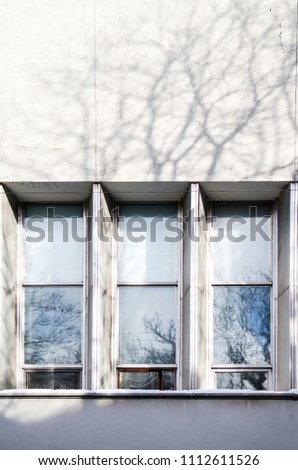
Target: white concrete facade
point(197, 90)
point(201, 422)
point(153, 100)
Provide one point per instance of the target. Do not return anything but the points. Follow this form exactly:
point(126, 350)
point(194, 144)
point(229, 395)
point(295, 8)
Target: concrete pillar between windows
point(8, 289)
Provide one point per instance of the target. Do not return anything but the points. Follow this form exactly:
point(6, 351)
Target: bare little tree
point(166, 336)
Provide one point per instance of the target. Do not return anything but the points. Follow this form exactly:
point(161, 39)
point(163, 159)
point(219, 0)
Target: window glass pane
point(54, 379)
point(53, 243)
point(241, 243)
point(168, 380)
point(241, 325)
point(147, 325)
point(149, 380)
point(242, 380)
point(139, 380)
point(145, 255)
point(53, 317)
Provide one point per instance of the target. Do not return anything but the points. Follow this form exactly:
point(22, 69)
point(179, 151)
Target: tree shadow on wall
point(205, 90)
point(199, 98)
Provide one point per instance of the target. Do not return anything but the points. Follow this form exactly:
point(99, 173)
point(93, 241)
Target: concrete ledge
point(156, 394)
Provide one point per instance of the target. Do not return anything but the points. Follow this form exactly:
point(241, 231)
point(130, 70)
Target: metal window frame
point(52, 368)
point(245, 368)
point(117, 366)
point(23, 368)
point(270, 368)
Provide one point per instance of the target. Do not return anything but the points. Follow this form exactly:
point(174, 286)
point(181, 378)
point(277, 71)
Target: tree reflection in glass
point(53, 325)
point(241, 328)
point(56, 380)
point(148, 380)
point(242, 380)
point(147, 325)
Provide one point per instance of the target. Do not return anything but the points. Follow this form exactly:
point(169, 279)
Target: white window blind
point(53, 243)
point(148, 252)
point(241, 243)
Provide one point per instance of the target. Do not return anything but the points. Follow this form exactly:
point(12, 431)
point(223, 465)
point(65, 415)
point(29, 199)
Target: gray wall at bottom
point(134, 423)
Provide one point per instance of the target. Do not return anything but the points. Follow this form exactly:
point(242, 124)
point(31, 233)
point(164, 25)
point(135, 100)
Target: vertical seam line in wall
point(95, 90)
point(295, 95)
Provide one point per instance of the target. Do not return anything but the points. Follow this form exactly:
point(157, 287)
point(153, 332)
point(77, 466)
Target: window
point(52, 329)
point(157, 301)
point(242, 349)
point(148, 255)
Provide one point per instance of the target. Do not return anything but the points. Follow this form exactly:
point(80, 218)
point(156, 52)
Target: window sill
point(147, 394)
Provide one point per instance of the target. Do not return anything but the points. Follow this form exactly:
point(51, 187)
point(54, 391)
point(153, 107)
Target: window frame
point(213, 369)
point(91, 374)
point(123, 367)
point(22, 284)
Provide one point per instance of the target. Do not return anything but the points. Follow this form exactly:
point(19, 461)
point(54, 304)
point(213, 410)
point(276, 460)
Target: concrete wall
point(284, 314)
point(100, 291)
point(188, 293)
point(148, 423)
point(47, 96)
point(203, 292)
point(106, 292)
point(8, 281)
point(195, 279)
point(200, 90)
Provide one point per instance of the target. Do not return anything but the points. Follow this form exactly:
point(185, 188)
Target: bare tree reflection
point(156, 344)
point(56, 380)
point(242, 380)
point(164, 336)
point(52, 325)
point(241, 325)
point(242, 330)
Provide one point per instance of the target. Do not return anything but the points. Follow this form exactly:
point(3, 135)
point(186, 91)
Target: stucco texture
point(147, 91)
